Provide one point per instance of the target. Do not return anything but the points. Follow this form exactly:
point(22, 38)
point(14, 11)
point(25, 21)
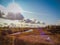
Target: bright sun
point(15, 8)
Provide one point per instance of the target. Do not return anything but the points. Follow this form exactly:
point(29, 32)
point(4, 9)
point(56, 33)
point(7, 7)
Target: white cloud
point(58, 22)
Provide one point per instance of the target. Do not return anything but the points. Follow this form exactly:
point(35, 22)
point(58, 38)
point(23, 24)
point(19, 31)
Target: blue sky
point(44, 10)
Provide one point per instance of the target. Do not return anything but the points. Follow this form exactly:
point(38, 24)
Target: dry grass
point(29, 38)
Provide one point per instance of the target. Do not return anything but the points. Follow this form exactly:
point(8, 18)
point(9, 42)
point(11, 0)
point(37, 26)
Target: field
point(22, 36)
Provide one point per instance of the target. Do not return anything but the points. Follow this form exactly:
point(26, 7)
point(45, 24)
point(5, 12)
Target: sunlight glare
point(14, 7)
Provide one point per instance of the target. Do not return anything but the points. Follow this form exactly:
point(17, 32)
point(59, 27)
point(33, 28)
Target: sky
point(47, 11)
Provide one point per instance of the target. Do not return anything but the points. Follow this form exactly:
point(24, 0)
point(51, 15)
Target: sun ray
point(13, 1)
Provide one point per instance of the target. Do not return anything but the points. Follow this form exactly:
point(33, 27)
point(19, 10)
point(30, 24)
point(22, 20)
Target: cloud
point(13, 16)
point(31, 12)
point(18, 16)
point(2, 8)
point(28, 21)
point(34, 13)
point(3, 11)
point(58, 22)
